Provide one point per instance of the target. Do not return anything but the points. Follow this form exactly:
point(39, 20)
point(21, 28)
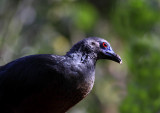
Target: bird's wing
point(27, 75)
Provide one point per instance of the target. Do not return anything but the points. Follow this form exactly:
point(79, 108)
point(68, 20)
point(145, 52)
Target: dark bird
point(47, 83)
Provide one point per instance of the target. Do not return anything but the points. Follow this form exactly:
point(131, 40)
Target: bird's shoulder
point(33, 69)
point(31, 60)
point(41, 65)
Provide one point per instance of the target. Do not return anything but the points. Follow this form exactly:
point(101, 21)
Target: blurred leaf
point(85, 16)
point(60, 45)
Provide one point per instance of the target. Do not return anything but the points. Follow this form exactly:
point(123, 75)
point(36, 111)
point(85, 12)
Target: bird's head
point(100, 47)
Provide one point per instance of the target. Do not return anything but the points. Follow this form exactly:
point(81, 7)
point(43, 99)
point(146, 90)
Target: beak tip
point(119, 58)
point(120, 62)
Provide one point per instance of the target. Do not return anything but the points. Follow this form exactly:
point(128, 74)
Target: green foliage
point(143, 89)
point(85, 17)
point(135, 20)
point(134, 17)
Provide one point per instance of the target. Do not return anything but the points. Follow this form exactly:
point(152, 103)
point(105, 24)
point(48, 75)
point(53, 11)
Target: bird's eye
point(104, 44)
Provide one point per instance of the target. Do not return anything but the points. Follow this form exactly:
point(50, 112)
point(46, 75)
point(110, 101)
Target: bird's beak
point(115, 57)
point(110, 54)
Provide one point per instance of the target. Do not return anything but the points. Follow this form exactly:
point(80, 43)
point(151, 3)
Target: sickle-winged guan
point(47, 83)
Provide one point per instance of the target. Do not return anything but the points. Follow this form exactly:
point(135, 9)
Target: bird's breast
point(86, 85)
point(82, 77)
point(59, 96)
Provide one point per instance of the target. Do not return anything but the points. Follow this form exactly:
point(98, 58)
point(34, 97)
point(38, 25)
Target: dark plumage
point(47, 83)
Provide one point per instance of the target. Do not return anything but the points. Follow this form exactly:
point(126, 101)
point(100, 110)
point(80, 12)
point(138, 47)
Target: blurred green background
point(131, 26)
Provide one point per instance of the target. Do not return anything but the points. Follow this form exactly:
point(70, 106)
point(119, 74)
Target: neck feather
point(82, 57)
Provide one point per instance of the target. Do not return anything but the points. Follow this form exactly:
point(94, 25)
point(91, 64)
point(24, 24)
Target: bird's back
point(41, 84)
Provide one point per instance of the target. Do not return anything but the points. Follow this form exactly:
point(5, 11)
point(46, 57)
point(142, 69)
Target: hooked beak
point(113, 56)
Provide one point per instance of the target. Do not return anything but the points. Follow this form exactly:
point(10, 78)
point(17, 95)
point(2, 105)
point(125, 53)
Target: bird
point(48, 83)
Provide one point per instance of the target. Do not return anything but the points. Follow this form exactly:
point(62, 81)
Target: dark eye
point(104, 44)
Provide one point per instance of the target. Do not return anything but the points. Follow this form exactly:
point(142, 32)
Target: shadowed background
point(131, 26)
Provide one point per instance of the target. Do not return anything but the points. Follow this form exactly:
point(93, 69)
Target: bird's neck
point(84, 63)
point(85, 58)
point(82, 53)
